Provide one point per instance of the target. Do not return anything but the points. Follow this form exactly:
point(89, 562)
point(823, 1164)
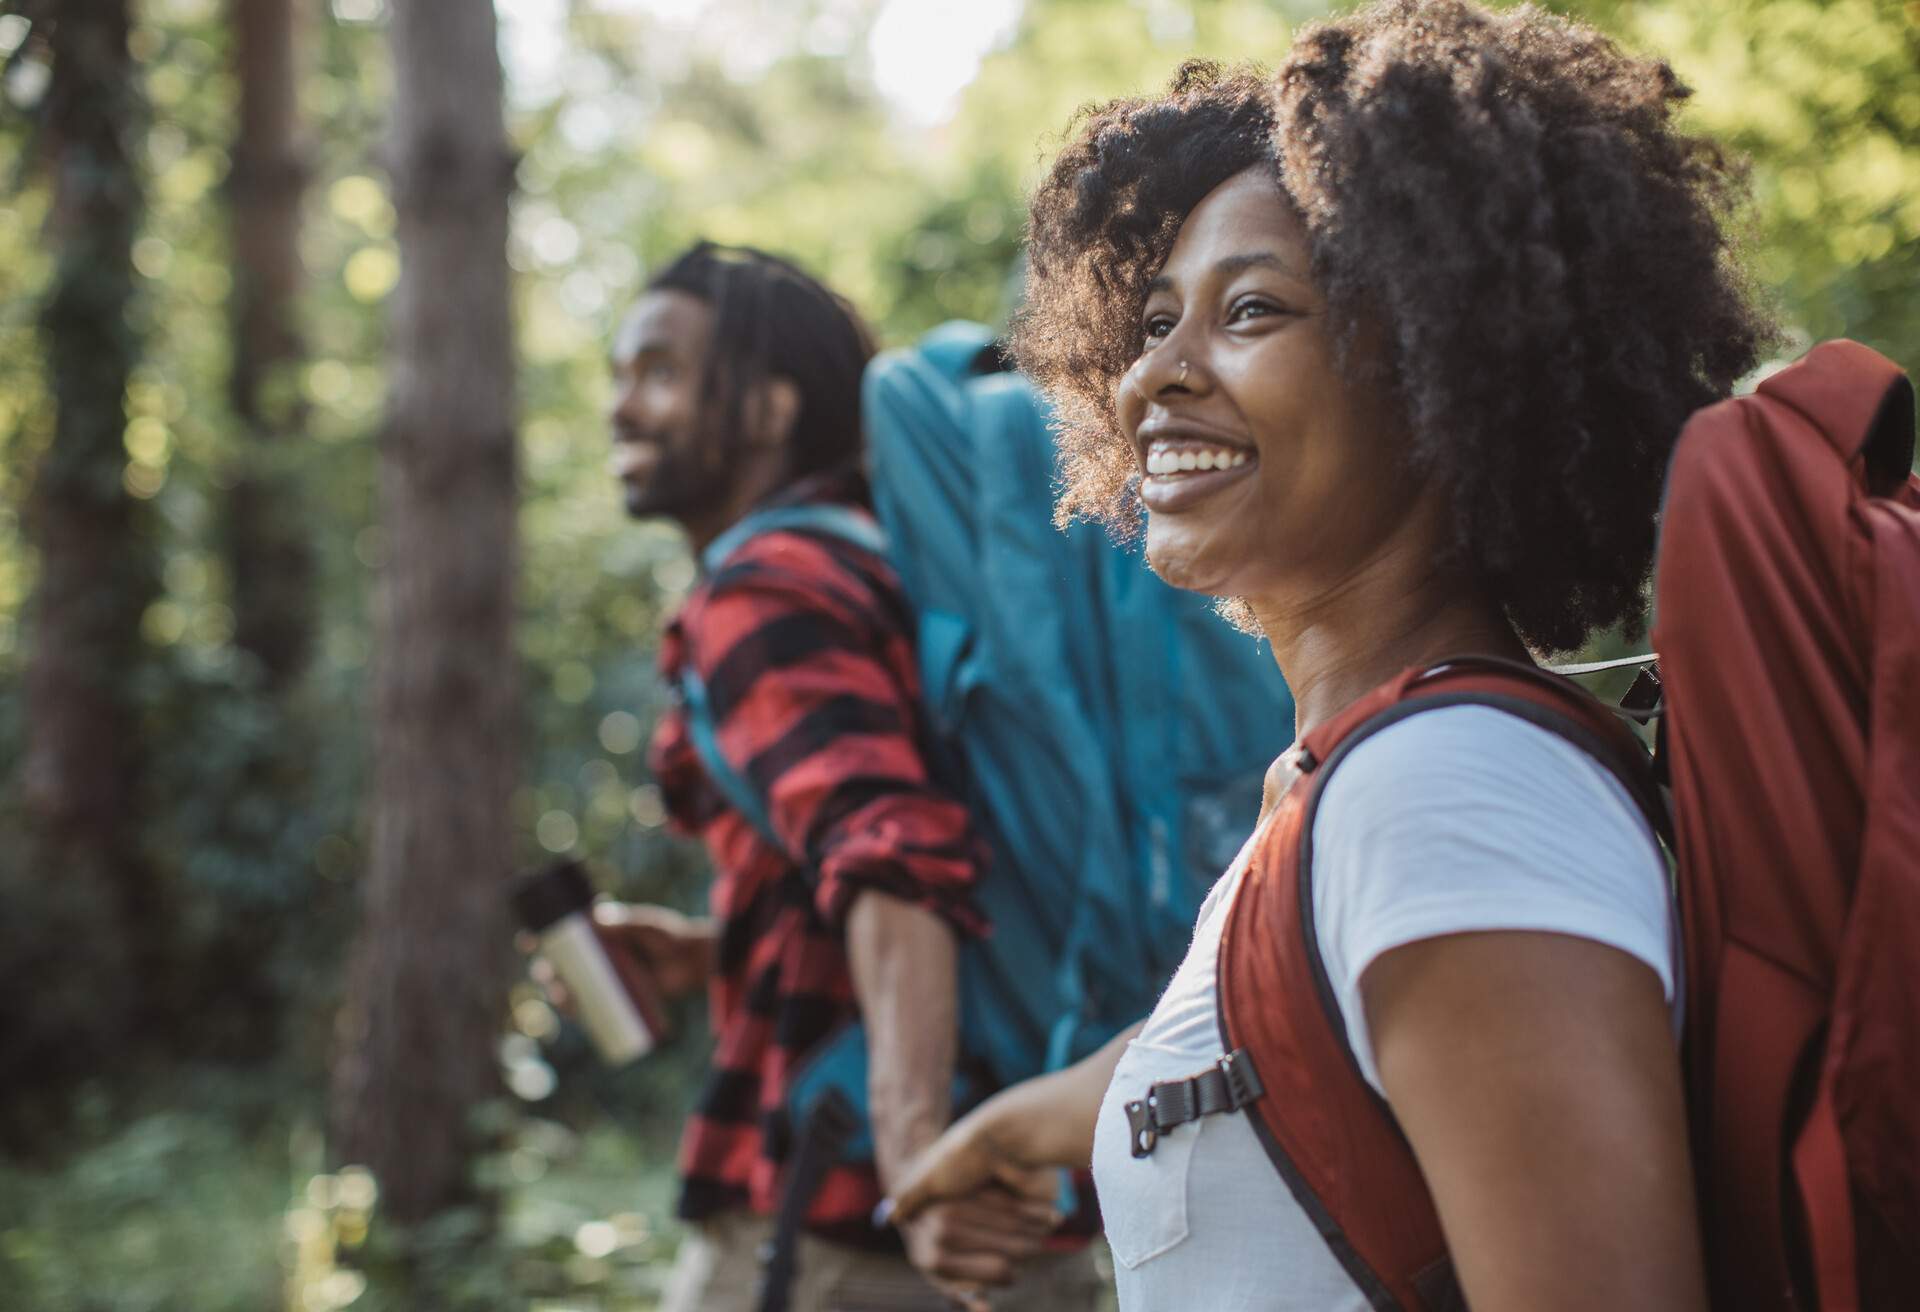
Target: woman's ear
point(772, 409)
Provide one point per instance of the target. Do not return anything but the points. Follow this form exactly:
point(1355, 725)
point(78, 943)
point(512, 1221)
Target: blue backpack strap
point(839, 1064)
point(741, 795)
point(842, 523)
point(956, 349)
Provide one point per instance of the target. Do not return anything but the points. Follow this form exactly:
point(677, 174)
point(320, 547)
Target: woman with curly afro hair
point(1391, 346)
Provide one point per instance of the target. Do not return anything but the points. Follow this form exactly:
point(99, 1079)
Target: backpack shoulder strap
point(842, 523)
point(1332, 1138)
point(839, 522)
point(741, 795)
point(957, 349)
point(1542, 697)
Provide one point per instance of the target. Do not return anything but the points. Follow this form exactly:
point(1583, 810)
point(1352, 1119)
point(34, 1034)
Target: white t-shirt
point(1454, 820)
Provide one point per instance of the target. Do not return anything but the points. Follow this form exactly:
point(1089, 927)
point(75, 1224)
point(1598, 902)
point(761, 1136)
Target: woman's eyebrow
point(1228, 266)
point(1233, 264)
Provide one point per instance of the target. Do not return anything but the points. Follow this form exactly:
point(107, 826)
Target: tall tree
point(95, 576)
point(271, 559)
point(427, 983)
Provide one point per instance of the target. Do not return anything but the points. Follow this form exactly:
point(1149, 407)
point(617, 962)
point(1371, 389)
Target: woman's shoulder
point(1465, 801)
point(1469, 817)
point(1476, 764)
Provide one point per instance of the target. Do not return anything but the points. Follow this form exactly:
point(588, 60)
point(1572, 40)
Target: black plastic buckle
point(1141, 1134)
point(1642, 700)
point(1243, 1081)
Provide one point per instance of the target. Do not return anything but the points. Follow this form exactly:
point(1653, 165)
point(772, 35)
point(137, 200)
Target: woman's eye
point(1158, 326)
point(1250, 308)
point(662, 372)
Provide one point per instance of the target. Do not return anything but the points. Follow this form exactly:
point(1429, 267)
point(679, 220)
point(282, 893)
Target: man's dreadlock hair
point(771, 319)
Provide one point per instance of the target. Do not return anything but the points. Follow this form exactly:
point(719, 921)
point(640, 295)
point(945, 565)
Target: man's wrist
point(898, 1141)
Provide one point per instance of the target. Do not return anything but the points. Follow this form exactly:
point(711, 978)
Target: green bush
point(175, 1210)
point(583, 1223)
point(205, 1194)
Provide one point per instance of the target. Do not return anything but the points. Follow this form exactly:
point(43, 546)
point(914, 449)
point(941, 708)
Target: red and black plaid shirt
point(804, 645)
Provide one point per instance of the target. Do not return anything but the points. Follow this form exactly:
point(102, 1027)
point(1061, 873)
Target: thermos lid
point(544, 897)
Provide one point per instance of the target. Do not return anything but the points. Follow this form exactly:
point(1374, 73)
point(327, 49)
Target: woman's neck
point(1397, 610)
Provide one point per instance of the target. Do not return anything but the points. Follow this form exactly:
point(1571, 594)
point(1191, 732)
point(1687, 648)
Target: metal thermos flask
point(619, 1011)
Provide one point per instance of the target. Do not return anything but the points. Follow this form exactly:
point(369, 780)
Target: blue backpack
point(1109, 733)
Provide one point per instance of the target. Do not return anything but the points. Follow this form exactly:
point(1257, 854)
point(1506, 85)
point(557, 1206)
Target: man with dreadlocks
point(737, 394)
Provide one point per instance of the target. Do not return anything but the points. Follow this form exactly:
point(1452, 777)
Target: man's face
point(666, 452)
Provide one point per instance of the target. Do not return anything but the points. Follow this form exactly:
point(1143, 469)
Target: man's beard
point(686, 482)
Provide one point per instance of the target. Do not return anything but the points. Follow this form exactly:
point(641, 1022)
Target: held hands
point(966, 1244)
point(969, 1212)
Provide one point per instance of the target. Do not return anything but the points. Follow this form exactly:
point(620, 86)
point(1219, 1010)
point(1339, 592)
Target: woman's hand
point(969, 1158)
point(966, 1245)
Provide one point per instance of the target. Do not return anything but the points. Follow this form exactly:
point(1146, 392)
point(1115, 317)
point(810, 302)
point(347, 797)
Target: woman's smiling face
point(1268, 466)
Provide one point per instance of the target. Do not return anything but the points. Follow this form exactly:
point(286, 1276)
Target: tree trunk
point(268, 547)
point(95, 580)
point(427, 985)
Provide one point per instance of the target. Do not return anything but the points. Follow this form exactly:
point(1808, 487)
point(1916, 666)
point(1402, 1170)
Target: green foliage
point(54, 1037)
point(260, 893)
point(203, 1194)
point(167, 1203)
point(1824, 96)
point(582, 1220)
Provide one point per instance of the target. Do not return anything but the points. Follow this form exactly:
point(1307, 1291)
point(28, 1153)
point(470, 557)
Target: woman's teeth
point(1192, 459)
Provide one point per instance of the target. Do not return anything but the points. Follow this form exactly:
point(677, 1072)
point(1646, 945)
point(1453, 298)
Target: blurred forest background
point(283, 633)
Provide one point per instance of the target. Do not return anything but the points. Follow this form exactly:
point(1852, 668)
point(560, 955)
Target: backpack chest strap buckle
point(1226, 1086)
point(1141, 1133)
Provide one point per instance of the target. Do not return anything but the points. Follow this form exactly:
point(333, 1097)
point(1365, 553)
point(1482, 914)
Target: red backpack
point(1788, 622)
point(1788, 625)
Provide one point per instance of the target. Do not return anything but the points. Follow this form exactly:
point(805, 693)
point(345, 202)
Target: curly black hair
point(1505, 198)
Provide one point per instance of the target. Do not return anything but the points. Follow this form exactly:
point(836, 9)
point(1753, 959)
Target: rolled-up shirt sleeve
point(814, 698)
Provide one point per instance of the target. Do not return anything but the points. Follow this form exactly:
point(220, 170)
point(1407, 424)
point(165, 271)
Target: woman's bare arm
point(1536, 1077)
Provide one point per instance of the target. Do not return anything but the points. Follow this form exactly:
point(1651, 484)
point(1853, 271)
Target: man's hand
point(968, 1213)
point(676, 949)
point(964, 1245)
